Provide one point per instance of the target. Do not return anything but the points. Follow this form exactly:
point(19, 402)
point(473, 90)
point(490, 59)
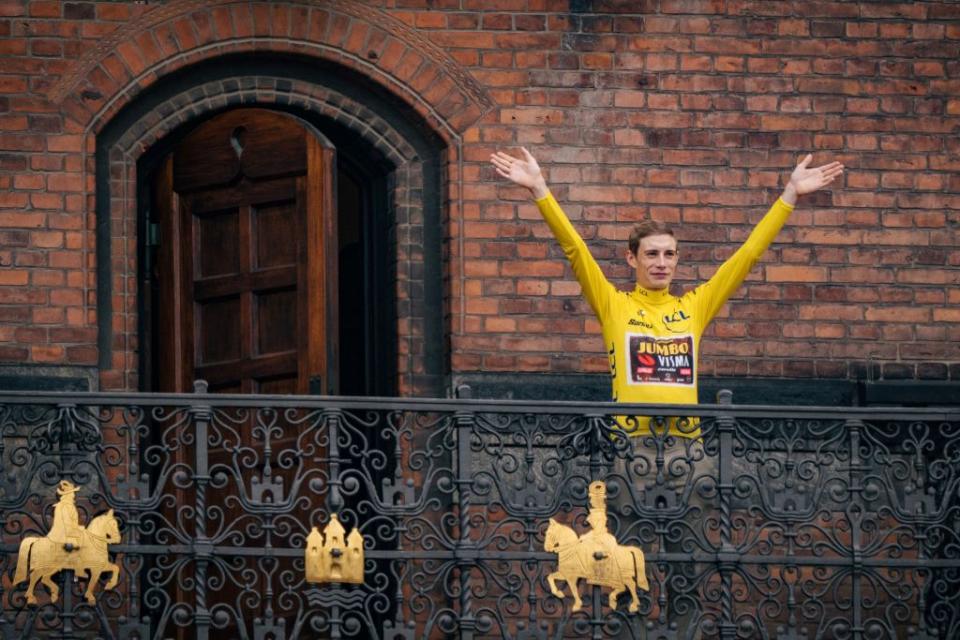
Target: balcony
point(774, 522)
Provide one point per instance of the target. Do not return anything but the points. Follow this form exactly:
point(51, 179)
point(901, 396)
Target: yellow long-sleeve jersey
point(652, 337)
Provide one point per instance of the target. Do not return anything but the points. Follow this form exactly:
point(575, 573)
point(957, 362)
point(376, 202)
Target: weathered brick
point(46, 353)
point(79, 11)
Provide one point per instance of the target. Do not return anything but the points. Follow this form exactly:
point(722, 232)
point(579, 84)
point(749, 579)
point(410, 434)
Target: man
point(66, 527)
point(653, 337)
point(653, 341)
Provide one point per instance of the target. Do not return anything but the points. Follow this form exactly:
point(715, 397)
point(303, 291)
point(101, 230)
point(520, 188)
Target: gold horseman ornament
point(69, 545)
point(596, 556)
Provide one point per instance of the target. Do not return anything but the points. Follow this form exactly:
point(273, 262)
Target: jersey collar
point(660, 295)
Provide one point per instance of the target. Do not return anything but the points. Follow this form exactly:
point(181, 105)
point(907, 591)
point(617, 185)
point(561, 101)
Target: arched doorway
point(389, 176)
point(359, 277)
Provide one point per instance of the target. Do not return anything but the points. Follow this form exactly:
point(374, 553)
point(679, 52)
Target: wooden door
point(245, 208)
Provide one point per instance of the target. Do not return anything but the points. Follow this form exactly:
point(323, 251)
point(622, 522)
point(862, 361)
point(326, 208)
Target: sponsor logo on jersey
point(676, 316)
point(633, 322)
point(655, 360)
point(677, 322)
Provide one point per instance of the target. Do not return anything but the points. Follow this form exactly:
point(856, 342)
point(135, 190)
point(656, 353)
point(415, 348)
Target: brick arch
point(349, 32)
point(247, 90)
point(127, 139)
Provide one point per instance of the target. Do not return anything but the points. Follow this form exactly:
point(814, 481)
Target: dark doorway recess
point(367, 309)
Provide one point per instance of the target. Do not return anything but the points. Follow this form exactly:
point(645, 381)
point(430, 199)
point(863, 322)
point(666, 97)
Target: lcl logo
point(676, 316)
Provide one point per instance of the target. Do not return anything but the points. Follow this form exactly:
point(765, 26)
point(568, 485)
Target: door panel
point(273, 223)
point(246, 210)
point(255, 143)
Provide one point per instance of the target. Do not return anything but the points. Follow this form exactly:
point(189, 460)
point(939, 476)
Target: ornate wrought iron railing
point(776, 522)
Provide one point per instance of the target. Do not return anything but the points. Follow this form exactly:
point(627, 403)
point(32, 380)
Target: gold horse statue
point(68, 546)
point(596, 556)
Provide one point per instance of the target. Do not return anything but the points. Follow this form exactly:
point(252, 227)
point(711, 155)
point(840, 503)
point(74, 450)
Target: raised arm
point(525, 172)
point(803, 180)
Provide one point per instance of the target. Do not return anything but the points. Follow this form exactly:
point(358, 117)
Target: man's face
point(655, 261)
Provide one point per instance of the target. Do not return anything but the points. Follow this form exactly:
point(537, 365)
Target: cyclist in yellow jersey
point(653, 337)
point(653, 341)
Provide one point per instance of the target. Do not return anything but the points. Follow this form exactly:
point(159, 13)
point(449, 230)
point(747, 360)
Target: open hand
point(524, 172)
point(807, 180)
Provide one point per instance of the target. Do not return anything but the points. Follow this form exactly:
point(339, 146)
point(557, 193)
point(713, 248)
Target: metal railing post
point(855, 511)
point(466, 551)
point(202, 548)
point(727, 557)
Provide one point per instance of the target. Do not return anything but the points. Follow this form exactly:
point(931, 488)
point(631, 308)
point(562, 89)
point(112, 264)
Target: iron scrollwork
point(776, 523)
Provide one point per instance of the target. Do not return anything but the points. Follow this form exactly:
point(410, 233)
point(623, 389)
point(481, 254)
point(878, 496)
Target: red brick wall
point(691, 111)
